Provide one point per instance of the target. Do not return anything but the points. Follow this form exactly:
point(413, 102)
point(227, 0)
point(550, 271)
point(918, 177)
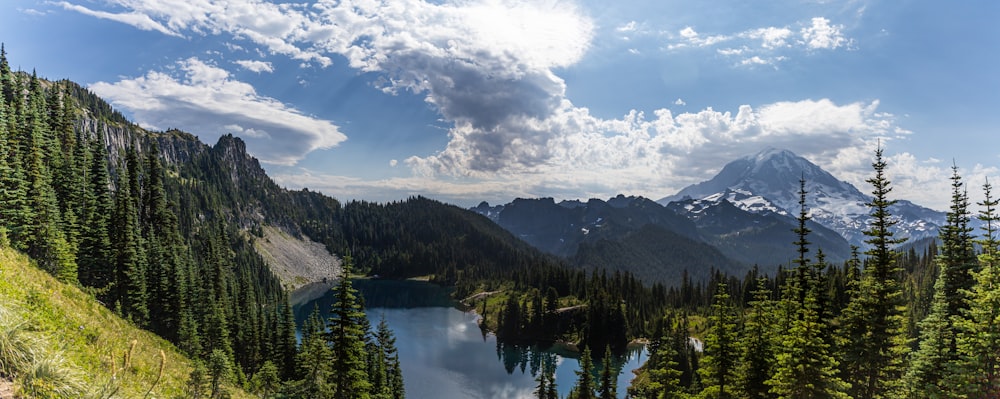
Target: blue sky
point(476, 100)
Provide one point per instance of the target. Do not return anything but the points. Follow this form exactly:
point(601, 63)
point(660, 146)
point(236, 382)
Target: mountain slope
point(631, 234)
point(762, 237)
point(92, 339)
point(773, 176)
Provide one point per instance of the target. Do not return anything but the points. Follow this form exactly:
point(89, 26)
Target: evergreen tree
point(546, 388)
point(719, 364)
point(584, 388)
point(608, 384)
point(926, 375)
point(957, 250)
point(95, 253)
point(978, 333)
point(874, 341)
point(130, 258)
point(937, 357)
point(804, 367)
point(44, 236)
point(313, 360)
point(390, 355)
point(756, 346)
point(348, 340)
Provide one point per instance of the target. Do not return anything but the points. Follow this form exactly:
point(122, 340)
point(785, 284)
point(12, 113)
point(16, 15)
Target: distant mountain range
point(743, 216)
point(768, 182)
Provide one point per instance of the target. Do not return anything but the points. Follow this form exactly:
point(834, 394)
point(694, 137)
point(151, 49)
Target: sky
point(472, 100)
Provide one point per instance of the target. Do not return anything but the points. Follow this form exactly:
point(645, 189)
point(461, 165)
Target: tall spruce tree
point(130, 293)
point(875, 349)
point(804, 366)
point(607, 387)
point(350, 379)
point(937, 357)
point(756, 345)
point(718, 367)
point(95, 254)
point(978, 333)
point(957, 250)
point(584, 388)
point(386, 341)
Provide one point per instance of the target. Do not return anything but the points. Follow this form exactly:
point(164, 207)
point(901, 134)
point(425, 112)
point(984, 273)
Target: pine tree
point(719, 364)
point(978, 333)
point(802, 271)
point(130, 258)
point(313, 360)
point(804, 367)
point(957, 249)
point(347, 337)
point(95, 253)
point(546, 382)
point(756, 347)
point(874, 343)
point(926, 375)
point(43, 234)
point(608, 383)
point(936, 358)
point(584, 388)
point(390, 355)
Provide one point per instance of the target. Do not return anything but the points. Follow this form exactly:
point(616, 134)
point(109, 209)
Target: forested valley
point(160, 228)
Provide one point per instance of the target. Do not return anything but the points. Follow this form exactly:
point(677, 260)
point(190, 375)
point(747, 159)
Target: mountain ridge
point(773, 174)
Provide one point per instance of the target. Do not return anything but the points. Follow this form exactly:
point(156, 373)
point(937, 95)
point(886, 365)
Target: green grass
point(56, 340)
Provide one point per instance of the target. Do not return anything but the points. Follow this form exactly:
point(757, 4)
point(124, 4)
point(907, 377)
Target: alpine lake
point(443, 352)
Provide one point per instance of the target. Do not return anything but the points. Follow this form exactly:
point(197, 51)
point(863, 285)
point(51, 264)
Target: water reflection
point(445, 355)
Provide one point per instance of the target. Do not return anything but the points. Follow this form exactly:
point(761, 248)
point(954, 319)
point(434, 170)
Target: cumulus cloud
point(256, 66)
point(822, 35)
point(488, 68)
point(206, 101)
point(769, 45)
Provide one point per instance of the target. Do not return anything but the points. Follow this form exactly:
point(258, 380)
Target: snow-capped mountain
point(768, 182)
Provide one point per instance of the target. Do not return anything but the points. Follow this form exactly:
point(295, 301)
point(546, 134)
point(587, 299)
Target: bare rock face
point(297, 261)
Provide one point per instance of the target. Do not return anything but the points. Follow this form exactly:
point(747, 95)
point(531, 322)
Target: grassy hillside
point(79, 343)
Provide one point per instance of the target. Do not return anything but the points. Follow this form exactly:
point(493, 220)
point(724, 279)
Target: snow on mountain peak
point(769, 182)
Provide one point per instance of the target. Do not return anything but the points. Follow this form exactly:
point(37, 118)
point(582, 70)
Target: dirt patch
point(6, 388)
point(296, 262)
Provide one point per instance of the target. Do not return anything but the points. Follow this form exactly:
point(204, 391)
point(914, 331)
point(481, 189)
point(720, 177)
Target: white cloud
point(137, 19)
point(488, 68)
point(822, 35)
point(631, 26)
point(208, 102)
point(769, 45)
point(691, 37)
point(679, 102)
point(256, 66)
point(281, 28)
point(770, 37)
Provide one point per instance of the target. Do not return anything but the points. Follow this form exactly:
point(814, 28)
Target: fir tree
point(875, 340)
point(390, 355)
point(978, 336)
point(313, 360)
point(936, 358)
point(719, 364)
point(608, 383)
point(348, 340)
point(957, 250)
point(756, 349)
point(584, 388)
point(95, 253)
point(804, 367)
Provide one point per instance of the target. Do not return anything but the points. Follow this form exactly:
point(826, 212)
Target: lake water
point(445, 355)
